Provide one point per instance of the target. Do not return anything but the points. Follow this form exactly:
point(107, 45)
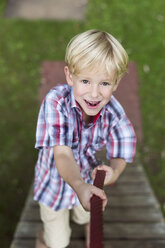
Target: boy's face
point(92, 90)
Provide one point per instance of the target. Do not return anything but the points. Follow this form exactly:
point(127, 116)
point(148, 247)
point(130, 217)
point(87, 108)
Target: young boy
point(76, 120)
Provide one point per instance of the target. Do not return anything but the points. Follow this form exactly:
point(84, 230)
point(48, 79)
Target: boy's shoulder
point(115, 108)
point(58, 93)
point(60, 98)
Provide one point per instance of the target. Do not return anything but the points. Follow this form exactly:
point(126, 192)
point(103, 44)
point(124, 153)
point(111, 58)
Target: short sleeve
point(52, 125)
point(121, 140)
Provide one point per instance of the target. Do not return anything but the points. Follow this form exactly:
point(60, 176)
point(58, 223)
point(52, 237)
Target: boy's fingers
point(104, 167)
point(94, 173)
point(100, 193)
point(104, 204)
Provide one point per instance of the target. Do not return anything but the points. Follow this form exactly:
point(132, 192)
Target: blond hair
point(94, 49)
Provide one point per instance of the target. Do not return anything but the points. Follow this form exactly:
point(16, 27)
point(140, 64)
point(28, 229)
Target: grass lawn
point(23, 47)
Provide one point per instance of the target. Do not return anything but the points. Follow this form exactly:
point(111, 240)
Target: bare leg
point(40, 241)
point(87, 235)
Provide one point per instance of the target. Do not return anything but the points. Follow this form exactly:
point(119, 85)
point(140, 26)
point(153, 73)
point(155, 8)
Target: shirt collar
point(73, 102)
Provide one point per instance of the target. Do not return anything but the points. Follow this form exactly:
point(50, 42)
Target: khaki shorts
point(57, 229)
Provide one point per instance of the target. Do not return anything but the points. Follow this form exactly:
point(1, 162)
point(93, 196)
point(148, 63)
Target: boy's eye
point(84, 81)
point(105, 83)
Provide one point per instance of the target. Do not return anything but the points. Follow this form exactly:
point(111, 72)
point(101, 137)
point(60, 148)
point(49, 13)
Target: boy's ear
point(68, 76)
point(116, 85)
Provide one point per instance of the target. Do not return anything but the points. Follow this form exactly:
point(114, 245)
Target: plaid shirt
point(60, 122)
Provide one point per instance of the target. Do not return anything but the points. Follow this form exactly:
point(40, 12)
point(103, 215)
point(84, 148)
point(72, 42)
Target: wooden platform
point(132, 218)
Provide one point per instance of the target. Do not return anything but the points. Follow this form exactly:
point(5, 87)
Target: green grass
point(23, 47)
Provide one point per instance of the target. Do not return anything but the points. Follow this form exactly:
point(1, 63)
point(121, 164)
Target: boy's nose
point(94, 91)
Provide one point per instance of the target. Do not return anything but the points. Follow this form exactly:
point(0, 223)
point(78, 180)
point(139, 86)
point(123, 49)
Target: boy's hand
point(109, 176)
point(86, 191)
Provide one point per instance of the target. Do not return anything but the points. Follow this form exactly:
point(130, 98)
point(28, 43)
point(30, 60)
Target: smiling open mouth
point(92, 103)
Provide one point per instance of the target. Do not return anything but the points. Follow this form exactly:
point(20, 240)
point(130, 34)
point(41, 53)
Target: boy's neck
point(90, 119)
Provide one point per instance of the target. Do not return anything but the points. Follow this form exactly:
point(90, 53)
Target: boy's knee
point(80, 216)
point(57, 230)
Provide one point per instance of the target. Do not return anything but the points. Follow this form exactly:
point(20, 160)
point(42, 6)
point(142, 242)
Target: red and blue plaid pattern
point(60, 122)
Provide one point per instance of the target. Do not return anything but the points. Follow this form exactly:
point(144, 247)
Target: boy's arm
point(70, 172)
point(117, 166)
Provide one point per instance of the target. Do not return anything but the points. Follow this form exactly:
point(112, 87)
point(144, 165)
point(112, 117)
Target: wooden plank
point(123, 244)
point(132, 177)
point(30, 243)
point(133, 170)
point(132, 214)
point(127, 231)
point(23, 243)
point(134, 167)
point(128, 179)
point(26, 243)
point(134, 230)
point(126, 189)
point(111, 214)
point(133, 201)
point(111, 230)
point(31, 215)
point(27, 229)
